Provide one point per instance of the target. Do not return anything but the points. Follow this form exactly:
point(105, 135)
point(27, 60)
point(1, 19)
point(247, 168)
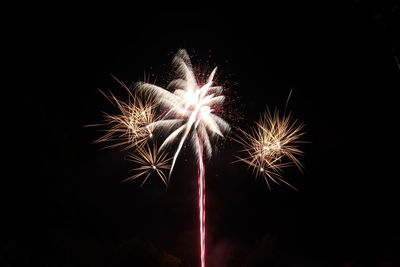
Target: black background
point(63, 202)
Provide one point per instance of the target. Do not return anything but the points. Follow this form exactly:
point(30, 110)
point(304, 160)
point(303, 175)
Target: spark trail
point(202, 203)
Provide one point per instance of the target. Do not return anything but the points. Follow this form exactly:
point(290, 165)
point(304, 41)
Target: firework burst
point(189, 108)
point(271, 146)
point(151, 162)
point(132, 127)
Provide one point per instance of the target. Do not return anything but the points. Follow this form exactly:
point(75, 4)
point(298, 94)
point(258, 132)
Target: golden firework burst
point(271, 146)
point(150, 161)
point(132, 126)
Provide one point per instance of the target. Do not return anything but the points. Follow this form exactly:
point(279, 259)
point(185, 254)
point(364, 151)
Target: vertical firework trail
point(202, 201)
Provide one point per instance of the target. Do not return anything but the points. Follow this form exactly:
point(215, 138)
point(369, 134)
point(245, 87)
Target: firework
point(190, 116)
point(189, 108)
point(132, 127)
point(271, 146)
point(150, 161)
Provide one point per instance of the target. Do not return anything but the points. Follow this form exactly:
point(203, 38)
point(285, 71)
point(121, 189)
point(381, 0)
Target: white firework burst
point(190, 107)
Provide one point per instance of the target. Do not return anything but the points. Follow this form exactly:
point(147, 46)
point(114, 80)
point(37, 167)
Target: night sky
point(63, 202)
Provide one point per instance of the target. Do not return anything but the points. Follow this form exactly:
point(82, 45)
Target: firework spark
point(271, 146)
point(132, 127)
point(150, 161)
point(190, 115)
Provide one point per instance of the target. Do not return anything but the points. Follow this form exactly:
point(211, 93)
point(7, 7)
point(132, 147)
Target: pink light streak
point(202, 202)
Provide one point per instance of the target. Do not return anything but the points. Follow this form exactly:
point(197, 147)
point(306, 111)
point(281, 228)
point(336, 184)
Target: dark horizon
point(64, 203)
